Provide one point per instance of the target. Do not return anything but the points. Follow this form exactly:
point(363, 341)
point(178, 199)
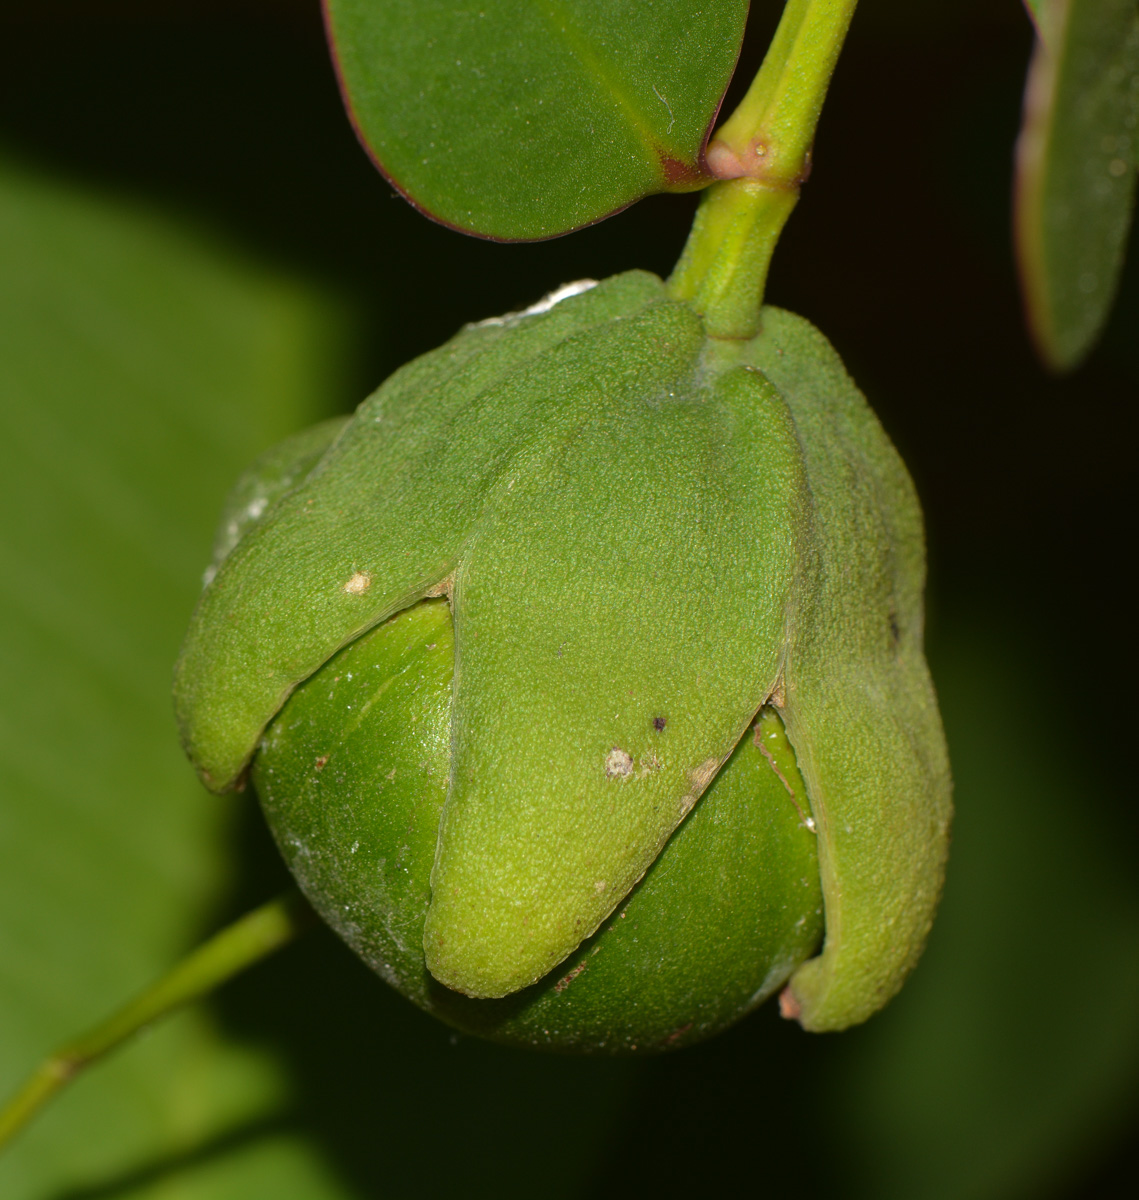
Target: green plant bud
point(645, 537)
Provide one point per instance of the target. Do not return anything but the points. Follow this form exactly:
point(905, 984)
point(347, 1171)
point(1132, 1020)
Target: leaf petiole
point(760, 156)
point(247, 941)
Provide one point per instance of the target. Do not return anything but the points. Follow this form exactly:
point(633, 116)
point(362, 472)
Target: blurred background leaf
point(1076, 169)
point(140, 366)
point(1008, 1066)
point(595, 103)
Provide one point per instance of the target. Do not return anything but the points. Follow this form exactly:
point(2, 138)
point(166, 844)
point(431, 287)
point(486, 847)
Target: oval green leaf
point(525, 119)
point(1076, 162)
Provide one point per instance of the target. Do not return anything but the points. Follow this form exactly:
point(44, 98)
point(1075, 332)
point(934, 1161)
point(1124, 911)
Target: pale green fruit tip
point(632, 523)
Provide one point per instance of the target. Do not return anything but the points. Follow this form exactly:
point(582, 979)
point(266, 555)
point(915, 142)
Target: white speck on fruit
point(618, 763)
point(358, 584)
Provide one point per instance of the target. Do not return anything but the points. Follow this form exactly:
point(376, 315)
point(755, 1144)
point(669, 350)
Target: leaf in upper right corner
point(520, 120)
point(1076, 169)
point(1035, 8)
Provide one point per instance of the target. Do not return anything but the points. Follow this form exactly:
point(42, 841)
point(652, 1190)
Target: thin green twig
point(247, 941)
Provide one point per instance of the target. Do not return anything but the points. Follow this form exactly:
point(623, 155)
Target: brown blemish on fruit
point(702, 775)
point(566, 980)
point(650, 762)
point(321, 761)
point(699, 777)
point(443, 588)
point(659, 723)
point(618, 763)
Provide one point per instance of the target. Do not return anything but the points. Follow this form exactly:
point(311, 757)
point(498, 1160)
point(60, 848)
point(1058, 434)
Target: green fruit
point(631, 521)
point(352, 775)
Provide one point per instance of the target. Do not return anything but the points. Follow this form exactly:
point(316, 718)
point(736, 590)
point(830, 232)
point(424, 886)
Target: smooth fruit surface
point(352, 775)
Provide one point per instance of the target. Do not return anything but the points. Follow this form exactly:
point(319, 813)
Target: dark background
point(901, 252)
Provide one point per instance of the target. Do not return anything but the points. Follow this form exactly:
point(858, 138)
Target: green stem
point(761, 156)
point(240, 945)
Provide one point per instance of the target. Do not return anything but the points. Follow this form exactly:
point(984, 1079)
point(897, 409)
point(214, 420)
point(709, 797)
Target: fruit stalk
point(760, 156)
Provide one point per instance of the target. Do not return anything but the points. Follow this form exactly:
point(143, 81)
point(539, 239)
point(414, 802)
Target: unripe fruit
point(633, 523)
point(352, 775)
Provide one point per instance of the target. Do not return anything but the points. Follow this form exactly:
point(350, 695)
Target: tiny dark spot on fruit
point(321, 761)
point(895, 629)
point(659, 723)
